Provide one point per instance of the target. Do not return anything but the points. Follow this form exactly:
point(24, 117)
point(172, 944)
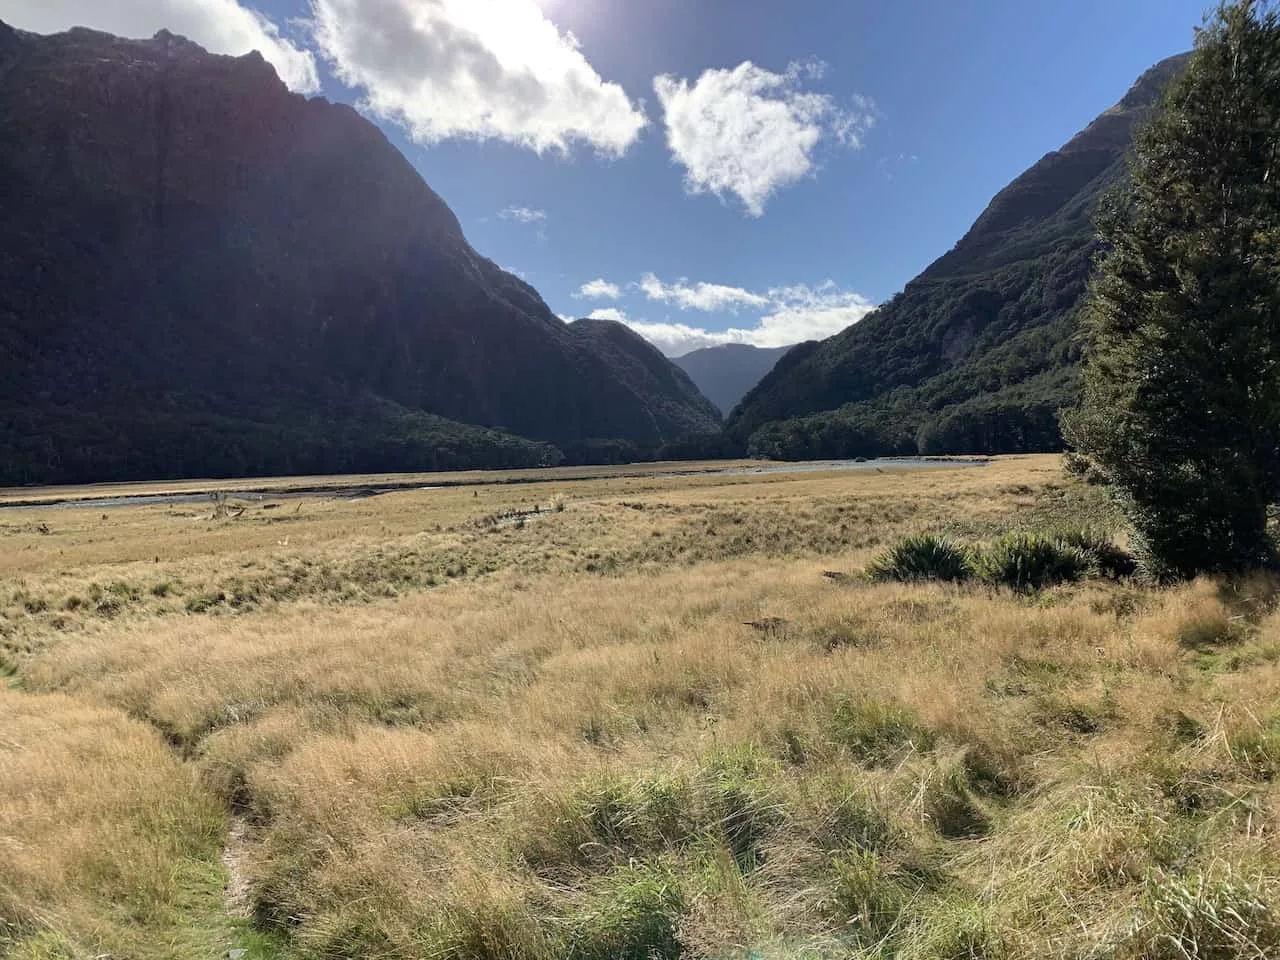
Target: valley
point(728, 595)
point(654, 715)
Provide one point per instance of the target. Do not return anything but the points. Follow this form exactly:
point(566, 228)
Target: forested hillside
point(977, 354)
point(204, 274)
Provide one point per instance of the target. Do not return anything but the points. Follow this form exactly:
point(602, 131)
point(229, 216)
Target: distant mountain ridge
point(672, 399)
point(977, 353)
point(727, 372)
point(201, 272)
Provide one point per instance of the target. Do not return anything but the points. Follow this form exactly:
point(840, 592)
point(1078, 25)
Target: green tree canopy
point(1181, 397)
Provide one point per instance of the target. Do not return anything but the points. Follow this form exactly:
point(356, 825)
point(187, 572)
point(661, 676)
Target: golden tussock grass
point(643, 725)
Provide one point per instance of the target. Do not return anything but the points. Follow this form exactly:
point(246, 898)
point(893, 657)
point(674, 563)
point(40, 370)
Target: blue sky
point(730, 169)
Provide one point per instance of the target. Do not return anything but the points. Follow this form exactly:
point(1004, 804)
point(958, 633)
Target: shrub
point(1106, 559)
point(925, 556)
point(1031, 561)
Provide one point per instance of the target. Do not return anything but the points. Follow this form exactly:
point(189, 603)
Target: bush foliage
point(1021, 561)
point(925, 556)
point(1031, 561)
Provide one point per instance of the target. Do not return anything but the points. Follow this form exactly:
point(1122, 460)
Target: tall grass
point(576, 748)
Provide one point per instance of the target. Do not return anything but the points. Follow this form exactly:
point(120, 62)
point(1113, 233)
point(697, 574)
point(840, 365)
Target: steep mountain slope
point(726, 373)
point(658, 385)
point(976, 353)
point(203, 273)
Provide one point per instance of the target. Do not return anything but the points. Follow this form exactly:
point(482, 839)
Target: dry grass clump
point(1214, 916)
point(660, 723)
point(105, 841)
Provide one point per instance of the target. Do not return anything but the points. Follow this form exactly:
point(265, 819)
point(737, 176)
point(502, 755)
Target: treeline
point(44, 447)
point(1020, 418)
point(49, 447)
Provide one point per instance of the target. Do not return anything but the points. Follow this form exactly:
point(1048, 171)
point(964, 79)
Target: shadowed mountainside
point(202, 273)
point(726, 373)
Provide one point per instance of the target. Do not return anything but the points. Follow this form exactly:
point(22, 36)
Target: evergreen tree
point(1181, 399)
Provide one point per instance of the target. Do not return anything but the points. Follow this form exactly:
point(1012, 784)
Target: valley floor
point(626, 717)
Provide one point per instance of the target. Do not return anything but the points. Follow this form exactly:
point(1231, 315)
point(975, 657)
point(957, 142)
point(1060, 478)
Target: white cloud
point(795, 314)
point(220, 26)
point(598, 290)
point(523, 214)
point(475, 69)
point(708, 297)
point(803, 313)
point(608, 313)
point(750, 132)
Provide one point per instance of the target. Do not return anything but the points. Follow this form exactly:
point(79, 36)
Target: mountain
point(976, 354)
point(725, 373)
point(202, 273)
point(671, 396)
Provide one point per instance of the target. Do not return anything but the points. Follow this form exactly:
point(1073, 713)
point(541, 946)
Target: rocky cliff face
point(184, 236)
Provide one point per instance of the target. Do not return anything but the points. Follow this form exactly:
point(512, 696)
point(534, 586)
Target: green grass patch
point(925, 556)
point(878, 733)
point(1026, 562)
point(633, 914)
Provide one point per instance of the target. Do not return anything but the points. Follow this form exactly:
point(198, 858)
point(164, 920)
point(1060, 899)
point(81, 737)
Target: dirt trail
point(234, 856)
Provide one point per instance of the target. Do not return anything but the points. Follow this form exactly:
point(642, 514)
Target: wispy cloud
point(707, 297)
point(609, 313)
point(220, 26)
point(475, 69)
point(892, 164)
point(598, 290)
point(794, 314)
point(750, 132)
point(523, 214)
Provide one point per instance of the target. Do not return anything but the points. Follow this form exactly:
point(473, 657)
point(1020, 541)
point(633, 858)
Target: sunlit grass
point(666, 720)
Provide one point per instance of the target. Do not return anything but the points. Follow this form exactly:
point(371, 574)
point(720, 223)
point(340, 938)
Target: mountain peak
point(725, 373)
point(173, 43)
point(1047, 190)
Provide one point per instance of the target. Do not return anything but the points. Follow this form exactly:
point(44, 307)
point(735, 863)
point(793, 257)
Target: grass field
point(626, 717)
